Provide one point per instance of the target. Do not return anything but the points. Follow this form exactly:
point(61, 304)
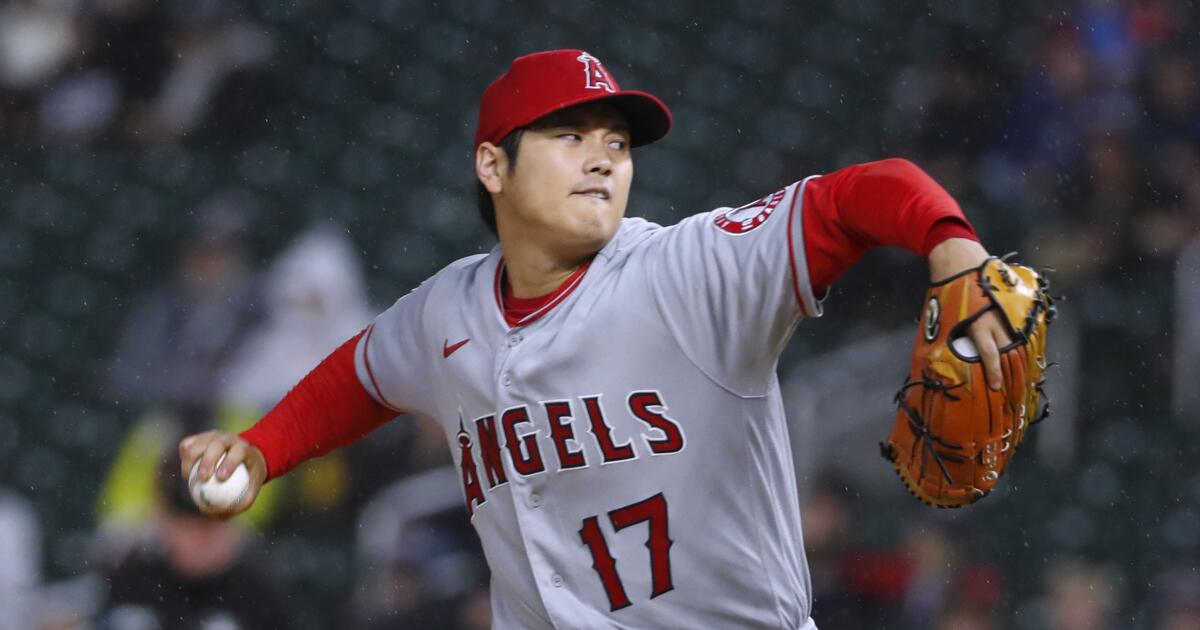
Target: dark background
point(1069, 131)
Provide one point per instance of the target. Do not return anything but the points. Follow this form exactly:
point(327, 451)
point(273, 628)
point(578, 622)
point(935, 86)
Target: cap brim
point(649, 118)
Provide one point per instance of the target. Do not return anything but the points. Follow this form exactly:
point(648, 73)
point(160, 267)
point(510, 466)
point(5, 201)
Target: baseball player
point(607, 386)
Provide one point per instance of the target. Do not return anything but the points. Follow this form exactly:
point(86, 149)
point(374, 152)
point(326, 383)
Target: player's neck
point(532, 272)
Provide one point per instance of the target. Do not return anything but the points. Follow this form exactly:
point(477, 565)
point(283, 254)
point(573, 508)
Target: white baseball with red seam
point(214, 495)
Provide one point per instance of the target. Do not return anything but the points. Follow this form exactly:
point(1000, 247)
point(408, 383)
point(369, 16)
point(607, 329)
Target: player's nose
point(599, 163)
point(597, 160)
point(601, 168)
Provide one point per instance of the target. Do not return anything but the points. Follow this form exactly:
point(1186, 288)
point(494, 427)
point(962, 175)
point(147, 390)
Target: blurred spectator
point(37, 40)
point(315, 298)
point(177, 340)
point(139, 70)
point(193, 573)
point(1185, 394)
point(1046, 126)
point(945, 582)
point(128, 502)
point(1171, 98)
point(181, 334)
point(1090, 242)
point(475, 611)
point(131, 42)
point(960, 617)
point(934, 558)
point(211, 44)
point(925, 582)
point(1081, 596)
point(958, 126)
point(125, 56)
point(420, 564)
point(1179, 600)
point(21, 550)
point(70, 604)
point(826, 528)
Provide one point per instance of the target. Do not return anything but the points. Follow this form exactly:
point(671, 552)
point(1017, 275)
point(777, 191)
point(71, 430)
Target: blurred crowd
point(126, 71)
point(1072, 134)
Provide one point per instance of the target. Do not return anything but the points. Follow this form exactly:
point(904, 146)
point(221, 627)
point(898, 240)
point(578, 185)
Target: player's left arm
point(893, 202)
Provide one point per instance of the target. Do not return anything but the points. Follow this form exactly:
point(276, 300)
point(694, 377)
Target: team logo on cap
point(595, 74)
point(750, 216)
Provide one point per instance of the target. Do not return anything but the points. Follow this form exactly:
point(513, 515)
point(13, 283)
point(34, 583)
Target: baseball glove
point(953, 435)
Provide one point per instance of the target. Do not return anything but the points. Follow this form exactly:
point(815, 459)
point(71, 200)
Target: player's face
point(571, 183)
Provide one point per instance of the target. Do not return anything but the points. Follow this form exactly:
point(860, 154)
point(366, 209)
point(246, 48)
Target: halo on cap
point(542, 83)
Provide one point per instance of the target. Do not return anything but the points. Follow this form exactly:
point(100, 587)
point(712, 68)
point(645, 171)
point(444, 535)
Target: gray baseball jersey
point(624, 453)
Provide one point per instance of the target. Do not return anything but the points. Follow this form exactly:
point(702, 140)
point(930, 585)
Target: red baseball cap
point(545, 82)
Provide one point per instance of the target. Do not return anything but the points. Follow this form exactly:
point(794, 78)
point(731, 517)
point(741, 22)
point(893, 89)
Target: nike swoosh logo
point(448, 349)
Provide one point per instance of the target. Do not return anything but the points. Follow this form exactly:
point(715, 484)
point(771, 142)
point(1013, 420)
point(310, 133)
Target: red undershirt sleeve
point(328, 409)
point(876, 204)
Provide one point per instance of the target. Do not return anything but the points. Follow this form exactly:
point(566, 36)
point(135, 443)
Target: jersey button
point(514, 339)
point(535, 500)
point(507, 380)
point(556, 580)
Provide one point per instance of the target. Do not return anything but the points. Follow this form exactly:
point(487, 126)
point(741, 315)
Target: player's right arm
point(328, 409)
point(353, 391)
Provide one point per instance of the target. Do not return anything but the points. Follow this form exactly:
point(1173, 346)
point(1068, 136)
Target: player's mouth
point(596, 192)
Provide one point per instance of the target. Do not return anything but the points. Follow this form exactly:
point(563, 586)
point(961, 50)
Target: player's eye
point(618, 145)
point(571, 136)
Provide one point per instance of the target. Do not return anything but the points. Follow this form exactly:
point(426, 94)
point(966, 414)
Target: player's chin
point(593, 232)
point(597, 216)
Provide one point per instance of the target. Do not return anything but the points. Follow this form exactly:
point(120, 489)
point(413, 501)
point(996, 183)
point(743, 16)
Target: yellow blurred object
point(323, 482)
point(128, 499)
point(128, 496)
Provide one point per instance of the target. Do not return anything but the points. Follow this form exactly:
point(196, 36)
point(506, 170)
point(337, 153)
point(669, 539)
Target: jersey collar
point(629, 226)
point(551, 300)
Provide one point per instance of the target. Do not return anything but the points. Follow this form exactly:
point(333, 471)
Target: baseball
point(215, 495)
point(965, 347)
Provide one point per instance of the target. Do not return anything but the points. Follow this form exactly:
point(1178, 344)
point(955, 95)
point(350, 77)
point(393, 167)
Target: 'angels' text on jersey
point(664, 436)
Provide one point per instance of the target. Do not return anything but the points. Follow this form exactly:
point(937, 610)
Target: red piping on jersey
point(792, 249)
point(513, 316)
point(371, 373)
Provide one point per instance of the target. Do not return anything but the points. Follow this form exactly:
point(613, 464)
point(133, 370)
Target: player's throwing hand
point(207, 449)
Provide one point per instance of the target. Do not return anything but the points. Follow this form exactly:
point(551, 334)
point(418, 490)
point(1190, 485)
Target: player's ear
point(490, 164)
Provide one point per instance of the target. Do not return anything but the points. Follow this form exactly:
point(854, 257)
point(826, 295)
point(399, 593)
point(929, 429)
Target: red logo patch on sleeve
point(745, 218)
